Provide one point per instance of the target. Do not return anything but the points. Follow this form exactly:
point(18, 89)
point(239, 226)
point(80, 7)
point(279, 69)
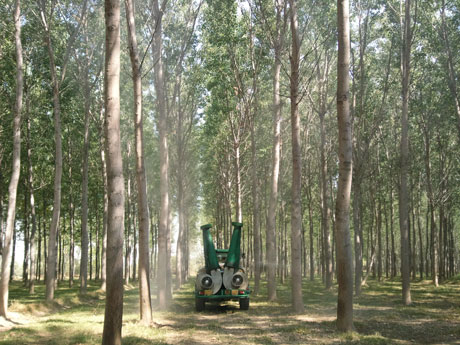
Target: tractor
point(222, 278)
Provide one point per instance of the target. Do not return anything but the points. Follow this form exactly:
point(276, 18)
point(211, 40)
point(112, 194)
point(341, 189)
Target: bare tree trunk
point(358, 235)
point(26, 227)
point(13, 186)
point(419, 226)
point(392, 234)
point(273, 200)
point(403, 191)
point(296, 212)
point(13, 254)
point(51, 259)
point(84, 188)
point(342, 211)
point(325, 210)
point(143, 211)
point(104, 219)
point(116, 203)
point(256, 212)
point(237, 166)
point(159, 82)
point(71, 221)
point(30, 186)
point(431, 204)
point(379, 240)
point(98, 235)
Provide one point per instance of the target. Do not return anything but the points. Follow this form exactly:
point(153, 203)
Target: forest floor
point(379, 317)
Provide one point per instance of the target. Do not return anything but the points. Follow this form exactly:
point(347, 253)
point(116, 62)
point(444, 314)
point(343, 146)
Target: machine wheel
point(244, 303)
point(199, 304)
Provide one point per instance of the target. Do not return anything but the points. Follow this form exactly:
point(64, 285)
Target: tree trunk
point(296, 211)
point(84, 189)
point(358, 234)
point(256, 212)
point(393, 248)
point(404, 163)
point(98, 235)
point(431, 204)
point(344, 257)
point(104, 219)
point(13, 186)
point(379, 240)
point(54, 227)
point(116, 203)
point(71, 221)
point(26, 227)
point(30, 186)
point(13, 254)
point(271, 216)
point(159, 82)
point(325, 210)
point(419, 226)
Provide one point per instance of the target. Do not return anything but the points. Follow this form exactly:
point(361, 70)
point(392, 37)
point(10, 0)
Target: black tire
point(244, 303)
point(199, 304)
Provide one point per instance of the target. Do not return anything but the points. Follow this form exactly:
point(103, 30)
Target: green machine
point(222, 278)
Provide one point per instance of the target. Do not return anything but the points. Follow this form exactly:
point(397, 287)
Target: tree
point(143, 211)
point(278, 41)
point(163, 230)
point(342, 207)
point(296, 212)
point(13, 186)
point(406, 32)
point(115, 181)
point(47, 20)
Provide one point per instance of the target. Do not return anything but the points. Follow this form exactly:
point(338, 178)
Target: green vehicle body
point(222, 278)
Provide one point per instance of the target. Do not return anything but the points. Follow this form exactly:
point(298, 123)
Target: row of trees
point(213, 86)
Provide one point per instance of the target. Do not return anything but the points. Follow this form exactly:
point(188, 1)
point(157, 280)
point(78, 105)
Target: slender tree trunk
point(13, 254)
point(13, 186)
point(116, 203)
point(26, 226)
point(393, 248)
point(325, 210)
point(237, 164)
point(296, 212)
point(271, 216)
point(71, 221)
point(431, 204)
point(159, 82)
point(419, 226)
point(98, 235)
point(134, 265)
point(387, 243)
point(403, 191)
point(39, 250)
point(344, 257)
point(104, 219)
point(358, 234)
point(30, 186)
point(256, 211)
point(51, 259)
point(84, 190)
point(90, 255)
point(379, 240)
point(312, 254)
